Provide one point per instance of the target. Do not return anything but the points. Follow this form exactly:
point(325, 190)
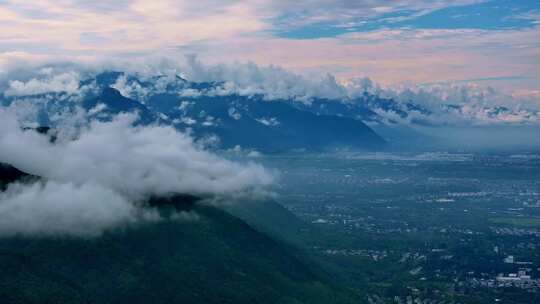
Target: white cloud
point(58, 209)
point(249, 79)
point(272, 121)
point(100, 107)
point(464, 104)
point(477, 102)
point(130, 89)
point(108, 166)
point(226, 31)
point(65, 82)
point(307, 12)
point(134, 161)
point(234, 113)
point(396, 56)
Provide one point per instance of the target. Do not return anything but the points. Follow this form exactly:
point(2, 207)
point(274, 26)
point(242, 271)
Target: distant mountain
point(269, 125)
point(252, 119)
point(367, 108)
point(215, 258)
point(251, 122)
point(110, 102)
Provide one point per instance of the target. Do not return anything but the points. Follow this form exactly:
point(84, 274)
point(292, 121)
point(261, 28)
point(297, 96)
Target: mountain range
point(231, 118)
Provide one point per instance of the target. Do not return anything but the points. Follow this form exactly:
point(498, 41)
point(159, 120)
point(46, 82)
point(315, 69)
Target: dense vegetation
point(205, 255)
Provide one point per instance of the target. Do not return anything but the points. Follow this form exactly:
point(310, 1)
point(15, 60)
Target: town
point(415, 233)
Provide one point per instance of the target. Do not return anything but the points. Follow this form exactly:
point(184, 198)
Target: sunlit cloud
point(367, 38)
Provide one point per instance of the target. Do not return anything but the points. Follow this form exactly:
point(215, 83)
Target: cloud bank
point(54, 208)
point(476, 104)
point(451, 103)
point(93, 181)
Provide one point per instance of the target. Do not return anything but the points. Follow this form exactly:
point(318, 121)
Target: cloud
point(130, 89)
point(96, 172)
point(230, 31)
point(65, 82)
point(463, 104)
point(59, 209)
point(398, 55)
point(460, 103)
point(306, 12)
point(108, 166)
point(78, 27)
point(273, 121)
point(478, 104)
point(134, 161)
point(273, 82)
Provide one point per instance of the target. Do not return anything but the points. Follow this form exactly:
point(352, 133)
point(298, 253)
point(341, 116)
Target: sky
point(492, 42)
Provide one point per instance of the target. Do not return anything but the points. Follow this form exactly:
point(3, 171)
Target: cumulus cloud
point(55, 208)
point(451, 103)
point(156, 74)
point(272, 82)
point(134, 161)
point(477, 101)
point(476, 104)
point(94, 179)
point(65, 82)
point(130, 89)
point(465, 104)
point(272, 121)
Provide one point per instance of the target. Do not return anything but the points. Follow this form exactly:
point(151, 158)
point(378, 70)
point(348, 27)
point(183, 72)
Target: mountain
point(110, 102)
point(270, 217)
point(251, 122)
point(246, 121)
point(10, 174)
point(367, 107)
point(214, 257)
point(382, 115)
point(251, 116)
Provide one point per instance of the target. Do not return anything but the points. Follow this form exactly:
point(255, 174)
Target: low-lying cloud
point(64, 82)
point(273, 83)
point(132, 160)
point(55, 208)
point(437, 105)
point(451, 104)
point(92, 180)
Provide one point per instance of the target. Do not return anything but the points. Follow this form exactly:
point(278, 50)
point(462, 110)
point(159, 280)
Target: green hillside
point(210, 257)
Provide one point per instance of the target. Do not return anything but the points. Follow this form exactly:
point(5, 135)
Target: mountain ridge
point(211, 257)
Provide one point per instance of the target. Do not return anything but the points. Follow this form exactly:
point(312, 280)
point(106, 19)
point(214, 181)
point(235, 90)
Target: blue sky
point(488, 15)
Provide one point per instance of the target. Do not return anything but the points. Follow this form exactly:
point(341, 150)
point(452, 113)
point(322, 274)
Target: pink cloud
point(228, 31)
